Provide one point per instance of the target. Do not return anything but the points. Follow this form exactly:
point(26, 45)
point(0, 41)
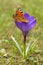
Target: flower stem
point(24, 45)
point(24, 39)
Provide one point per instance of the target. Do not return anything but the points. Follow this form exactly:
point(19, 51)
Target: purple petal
point(31, 18)
point(19, 25)
point(28, 26)
point(26, 16)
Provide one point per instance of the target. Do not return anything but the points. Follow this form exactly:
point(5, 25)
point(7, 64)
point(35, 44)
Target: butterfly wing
point(19, 16)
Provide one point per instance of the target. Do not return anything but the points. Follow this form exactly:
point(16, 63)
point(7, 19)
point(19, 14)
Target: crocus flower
point(26, 26)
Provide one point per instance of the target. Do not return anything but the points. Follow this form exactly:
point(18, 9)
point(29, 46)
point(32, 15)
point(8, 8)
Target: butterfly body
point(19, 17)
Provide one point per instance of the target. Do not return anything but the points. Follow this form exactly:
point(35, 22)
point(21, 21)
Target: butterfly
point(19, 16)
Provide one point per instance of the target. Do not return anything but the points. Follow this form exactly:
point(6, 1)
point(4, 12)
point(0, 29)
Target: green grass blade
point(31, 48)
point(33, 45)
point(17, 45)
point(38, 51)
point(28, 47)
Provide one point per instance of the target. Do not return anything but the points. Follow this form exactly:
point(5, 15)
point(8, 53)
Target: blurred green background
point(8, 28)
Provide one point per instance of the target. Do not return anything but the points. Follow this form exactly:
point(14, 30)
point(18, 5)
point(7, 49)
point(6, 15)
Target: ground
point(8, 28)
